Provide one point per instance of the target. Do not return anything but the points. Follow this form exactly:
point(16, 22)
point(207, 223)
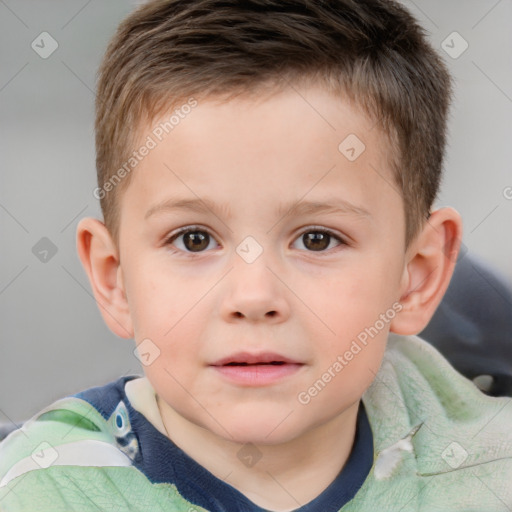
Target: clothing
point(113, 409)
point(439, 444)
point(471, 326)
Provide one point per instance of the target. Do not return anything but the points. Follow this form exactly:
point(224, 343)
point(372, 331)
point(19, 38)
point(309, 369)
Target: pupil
point(199, 240)
point(316, 241)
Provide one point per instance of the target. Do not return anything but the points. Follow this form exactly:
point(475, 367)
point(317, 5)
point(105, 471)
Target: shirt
point(439, 443)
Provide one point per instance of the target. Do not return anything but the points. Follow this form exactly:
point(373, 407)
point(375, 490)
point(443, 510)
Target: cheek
point(169, 314)
point(355, 297)
point(357, 308)
point(354, 364)
point(155, 306)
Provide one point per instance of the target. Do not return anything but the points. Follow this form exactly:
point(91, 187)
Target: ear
point(430, 261)
point(100, 259)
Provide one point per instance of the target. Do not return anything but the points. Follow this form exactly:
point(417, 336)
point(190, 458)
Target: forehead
point(249, 153)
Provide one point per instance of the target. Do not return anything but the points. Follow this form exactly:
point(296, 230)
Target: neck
point(286, 476)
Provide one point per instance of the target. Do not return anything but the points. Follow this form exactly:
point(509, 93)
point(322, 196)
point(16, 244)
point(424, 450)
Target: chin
point(260, 431)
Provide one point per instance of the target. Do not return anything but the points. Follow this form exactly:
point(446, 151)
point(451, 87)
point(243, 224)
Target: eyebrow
point(332, 206)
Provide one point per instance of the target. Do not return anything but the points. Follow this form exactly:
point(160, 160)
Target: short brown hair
point(372, 51)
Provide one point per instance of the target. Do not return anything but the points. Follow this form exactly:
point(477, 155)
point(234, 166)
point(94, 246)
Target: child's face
point(255, 161)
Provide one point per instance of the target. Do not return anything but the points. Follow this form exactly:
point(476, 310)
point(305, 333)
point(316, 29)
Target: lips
point(248, 359)
point(256, 370)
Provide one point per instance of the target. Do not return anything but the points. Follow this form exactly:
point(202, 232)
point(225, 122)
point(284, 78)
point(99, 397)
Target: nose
point(254, 292)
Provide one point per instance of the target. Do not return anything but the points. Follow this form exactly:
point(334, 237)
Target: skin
point(252, 155)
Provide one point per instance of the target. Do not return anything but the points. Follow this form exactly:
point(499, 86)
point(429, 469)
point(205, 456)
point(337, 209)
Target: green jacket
point(440, 445)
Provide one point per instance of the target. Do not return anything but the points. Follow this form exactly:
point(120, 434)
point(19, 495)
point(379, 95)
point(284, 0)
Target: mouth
point(262, 369)
point(255, 364)
point(248, 359)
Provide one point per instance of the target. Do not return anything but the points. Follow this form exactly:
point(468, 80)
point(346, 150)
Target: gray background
point(53, 339)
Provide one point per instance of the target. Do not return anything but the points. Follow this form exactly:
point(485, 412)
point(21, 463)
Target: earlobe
point(430, 261)
point(100, 259)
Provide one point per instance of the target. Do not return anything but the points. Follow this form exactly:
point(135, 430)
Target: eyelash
point(171, 238)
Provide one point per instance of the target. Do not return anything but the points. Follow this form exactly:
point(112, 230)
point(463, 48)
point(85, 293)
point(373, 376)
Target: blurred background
point(53, 339)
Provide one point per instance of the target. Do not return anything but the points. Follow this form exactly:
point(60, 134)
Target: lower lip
point(258, 375)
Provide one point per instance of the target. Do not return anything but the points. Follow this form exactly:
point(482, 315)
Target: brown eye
point(319, 240)
point(316, 241)
point(196, 240)
point(191, 240)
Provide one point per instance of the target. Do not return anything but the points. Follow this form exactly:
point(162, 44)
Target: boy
point(266, 172)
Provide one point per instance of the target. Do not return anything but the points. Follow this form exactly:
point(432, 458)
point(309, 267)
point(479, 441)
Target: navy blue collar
point(163, 461)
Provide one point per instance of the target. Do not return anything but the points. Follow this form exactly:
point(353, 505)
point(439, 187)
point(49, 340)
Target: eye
point(319, 239)
point(194, 239)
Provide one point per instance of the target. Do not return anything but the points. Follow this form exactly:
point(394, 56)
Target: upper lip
point(261, 357)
